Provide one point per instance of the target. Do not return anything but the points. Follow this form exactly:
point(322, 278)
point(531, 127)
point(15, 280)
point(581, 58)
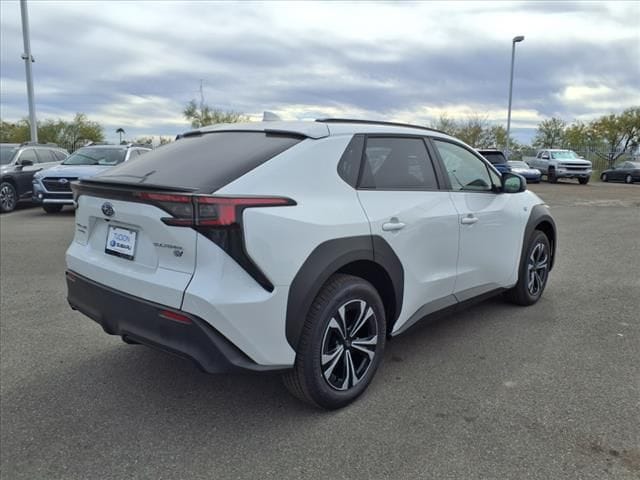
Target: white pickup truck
point(555, 164)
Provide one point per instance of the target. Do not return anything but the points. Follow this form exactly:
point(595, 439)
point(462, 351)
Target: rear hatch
point(138, 224)
point(125, 245)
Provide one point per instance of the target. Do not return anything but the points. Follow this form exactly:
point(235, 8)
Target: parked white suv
point(301, 246)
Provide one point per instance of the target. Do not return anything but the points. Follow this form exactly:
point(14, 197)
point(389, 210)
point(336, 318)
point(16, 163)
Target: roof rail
point(50, 144)
point(146, 145)
point(377, 122)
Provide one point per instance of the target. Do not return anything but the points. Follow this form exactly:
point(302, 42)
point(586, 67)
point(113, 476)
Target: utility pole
point(515, 40)
point(28, 60)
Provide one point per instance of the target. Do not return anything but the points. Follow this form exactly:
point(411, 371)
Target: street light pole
point(515, 40)
point(28, 59)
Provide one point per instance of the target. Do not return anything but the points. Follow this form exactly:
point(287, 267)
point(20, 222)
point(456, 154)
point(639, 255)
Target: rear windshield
point(494, 158)
point(202, 163)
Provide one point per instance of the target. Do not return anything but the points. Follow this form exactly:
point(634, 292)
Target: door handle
point(392, 226)
point(469, 220)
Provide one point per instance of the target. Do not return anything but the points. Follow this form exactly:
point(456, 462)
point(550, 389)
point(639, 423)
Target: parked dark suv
point(496, 158)
point(18, 164)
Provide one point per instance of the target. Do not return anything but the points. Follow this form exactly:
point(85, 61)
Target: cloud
point(136, 64)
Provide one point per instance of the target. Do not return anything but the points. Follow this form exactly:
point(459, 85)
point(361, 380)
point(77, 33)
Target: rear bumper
point(140, 320)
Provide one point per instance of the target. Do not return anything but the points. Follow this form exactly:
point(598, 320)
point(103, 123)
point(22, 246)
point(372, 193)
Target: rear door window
point(397, 163)
point(59, 155)
point(45, 155)
point(202, 163)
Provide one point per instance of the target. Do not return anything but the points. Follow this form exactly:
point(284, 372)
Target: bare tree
point(203, 115)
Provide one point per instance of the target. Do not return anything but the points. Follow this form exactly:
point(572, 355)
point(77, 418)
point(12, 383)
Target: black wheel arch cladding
point(540, 219)
point(328, 258)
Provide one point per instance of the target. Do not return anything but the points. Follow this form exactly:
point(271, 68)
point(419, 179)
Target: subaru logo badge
point(107, 209)
point(63, 181)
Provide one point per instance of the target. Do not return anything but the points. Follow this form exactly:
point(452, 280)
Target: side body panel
point(427, 245)
point(490, 247)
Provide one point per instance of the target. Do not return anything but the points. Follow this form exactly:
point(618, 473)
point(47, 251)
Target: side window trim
point(478, 156)
point(430, 157)
point(438, 165)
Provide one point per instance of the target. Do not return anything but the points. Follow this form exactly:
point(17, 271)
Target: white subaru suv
point(301, 247)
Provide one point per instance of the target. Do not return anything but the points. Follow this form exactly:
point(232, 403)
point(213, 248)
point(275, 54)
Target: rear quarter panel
point(280, 239)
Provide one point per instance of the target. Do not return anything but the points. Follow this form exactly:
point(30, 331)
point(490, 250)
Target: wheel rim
point(537, 269)
point(604, 177)
point(7, 197)
point(349, 345)
point(628, 179)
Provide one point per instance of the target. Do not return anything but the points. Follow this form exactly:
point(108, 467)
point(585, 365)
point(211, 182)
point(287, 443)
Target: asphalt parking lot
point(499, 392)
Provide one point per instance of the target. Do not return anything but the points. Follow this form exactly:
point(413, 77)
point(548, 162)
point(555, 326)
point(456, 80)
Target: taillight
point(218, 219)
point(226, 211)
point(207, 210)
point(179, 206)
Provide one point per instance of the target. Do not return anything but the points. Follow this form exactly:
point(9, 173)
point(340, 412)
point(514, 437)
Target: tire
point(343, 301)
point(604, 177)
point(52, 208)
point(8, 197)
point(551, 176)
point(533, 273)
point(583, 181)
point(628, 179)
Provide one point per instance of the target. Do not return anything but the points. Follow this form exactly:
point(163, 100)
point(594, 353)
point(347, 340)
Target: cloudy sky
point(136, 64)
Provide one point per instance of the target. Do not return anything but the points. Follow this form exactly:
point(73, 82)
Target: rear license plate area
point(121, 242)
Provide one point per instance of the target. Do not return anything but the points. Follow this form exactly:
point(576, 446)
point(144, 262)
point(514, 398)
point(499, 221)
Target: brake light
point(207, 210)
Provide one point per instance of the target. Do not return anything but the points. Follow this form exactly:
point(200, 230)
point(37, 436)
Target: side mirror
point(25, 163)
point(545, 157)
point(513, 183)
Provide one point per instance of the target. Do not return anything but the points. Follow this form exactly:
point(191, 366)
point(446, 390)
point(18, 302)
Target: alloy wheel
point(7, 198)
point(537, 269)
point(628, 179)
point(349, 344)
